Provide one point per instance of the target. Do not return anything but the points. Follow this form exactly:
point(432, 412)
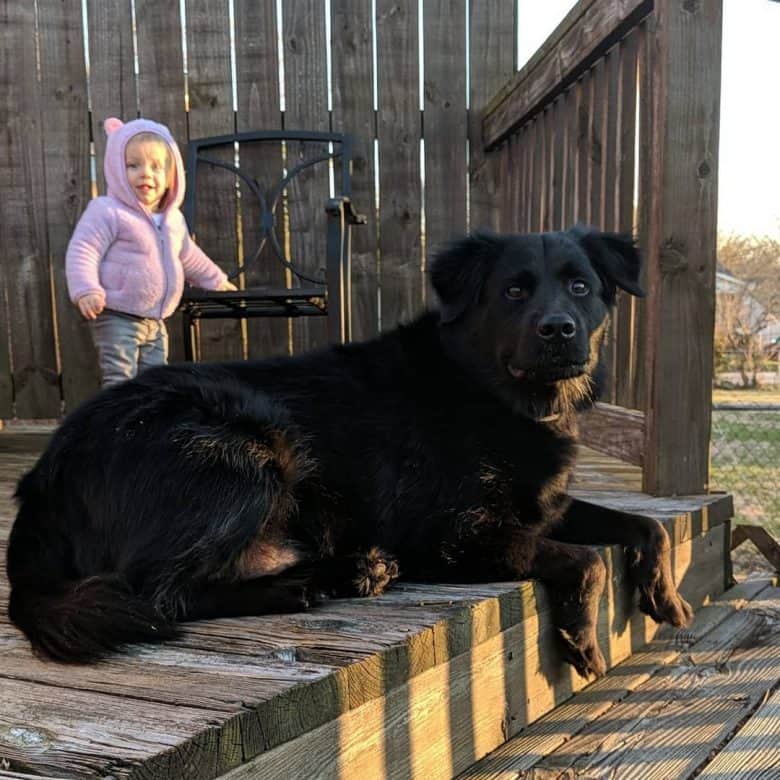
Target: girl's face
point(148, 170)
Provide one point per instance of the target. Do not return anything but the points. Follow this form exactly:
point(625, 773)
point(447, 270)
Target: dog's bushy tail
point(67, 617)
point(84, 620)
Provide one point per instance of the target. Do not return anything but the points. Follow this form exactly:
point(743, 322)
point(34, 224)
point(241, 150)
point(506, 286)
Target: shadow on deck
point(423, 681)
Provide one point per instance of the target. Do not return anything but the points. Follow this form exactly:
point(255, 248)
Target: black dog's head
point(528, 312)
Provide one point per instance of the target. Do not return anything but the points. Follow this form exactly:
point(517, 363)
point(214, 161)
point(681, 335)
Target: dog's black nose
point(556, 326)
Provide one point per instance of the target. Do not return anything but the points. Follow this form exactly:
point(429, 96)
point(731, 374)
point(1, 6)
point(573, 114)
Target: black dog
point(440, 451)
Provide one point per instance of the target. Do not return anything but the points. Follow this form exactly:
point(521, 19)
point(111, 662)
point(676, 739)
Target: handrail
point(587, 32)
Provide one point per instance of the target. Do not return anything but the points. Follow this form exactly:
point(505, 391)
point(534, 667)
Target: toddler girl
point(131, 252)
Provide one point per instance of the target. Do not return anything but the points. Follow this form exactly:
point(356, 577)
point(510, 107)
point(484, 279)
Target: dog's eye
point(578, 287)
point(517, 293)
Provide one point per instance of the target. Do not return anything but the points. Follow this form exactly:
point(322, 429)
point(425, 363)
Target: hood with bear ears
point(119, 134)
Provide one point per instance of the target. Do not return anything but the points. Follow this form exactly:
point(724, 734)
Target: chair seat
point(255, 302)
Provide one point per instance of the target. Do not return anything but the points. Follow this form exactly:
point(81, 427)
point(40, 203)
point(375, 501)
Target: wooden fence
point(613, 122)
point(144, 57)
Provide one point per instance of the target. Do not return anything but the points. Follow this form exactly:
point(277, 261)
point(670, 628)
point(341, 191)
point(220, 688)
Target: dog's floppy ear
point(615, 258)
point(459, 269)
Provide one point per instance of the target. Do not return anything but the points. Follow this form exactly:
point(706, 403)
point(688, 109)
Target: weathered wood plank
point(754, 753)
point(681, 240)
point(520, 754)
point(454, 713)
point(211, 113)
point(162, 94)
point(581, 39)
point(668, 726)
point(626, 310)
point(65, 137)
point(28, 360)
point(615, 431)
point(306, 108)
point(444, 106)
point(398, 131)
point(259, 108)
point(87, 733)
point(112, 84)
point(491, 59)
point(353, 113)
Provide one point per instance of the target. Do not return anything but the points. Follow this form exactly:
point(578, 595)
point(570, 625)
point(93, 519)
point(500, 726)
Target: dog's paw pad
point(375, 572)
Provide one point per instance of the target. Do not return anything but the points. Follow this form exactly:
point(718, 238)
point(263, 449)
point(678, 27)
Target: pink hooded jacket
point(118, 252)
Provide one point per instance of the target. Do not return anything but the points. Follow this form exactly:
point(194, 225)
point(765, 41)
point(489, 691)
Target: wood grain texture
point(29, 374)
point(353, 113)
point(523, 756)
point(491, 59)
point(614, 431)
point(754, 753)
point(446, 129)
point(259, 108)
point(399, 132)
point(211, 113)
point(162, 95)
point(306, 108)
point(113, 90)
point(65, 136)
point(682, 232)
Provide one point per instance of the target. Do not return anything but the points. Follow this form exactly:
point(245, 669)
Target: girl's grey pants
point(127, 345)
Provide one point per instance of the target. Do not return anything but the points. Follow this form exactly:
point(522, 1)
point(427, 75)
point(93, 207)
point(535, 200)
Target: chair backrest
point(256, 201)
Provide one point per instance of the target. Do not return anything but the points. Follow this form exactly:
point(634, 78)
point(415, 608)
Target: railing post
point(684, 100)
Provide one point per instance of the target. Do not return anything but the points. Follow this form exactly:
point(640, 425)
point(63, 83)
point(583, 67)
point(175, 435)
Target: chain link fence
point(745, 461)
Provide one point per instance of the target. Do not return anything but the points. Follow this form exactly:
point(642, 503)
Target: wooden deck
point(423, 681)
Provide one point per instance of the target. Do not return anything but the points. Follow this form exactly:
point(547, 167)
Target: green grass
point(746, 463)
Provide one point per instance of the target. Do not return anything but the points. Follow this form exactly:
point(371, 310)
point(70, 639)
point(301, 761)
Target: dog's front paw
point(581, 650)
point(662, 602)
point(375, 571)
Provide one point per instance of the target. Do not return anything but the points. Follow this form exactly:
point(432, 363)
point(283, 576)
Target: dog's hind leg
point(650, 560)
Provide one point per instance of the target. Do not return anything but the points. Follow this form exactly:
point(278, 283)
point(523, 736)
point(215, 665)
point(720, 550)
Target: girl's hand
point(90, 305)
point(226, 285)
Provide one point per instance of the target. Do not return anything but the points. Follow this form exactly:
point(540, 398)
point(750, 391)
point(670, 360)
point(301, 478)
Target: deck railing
point(614, 123)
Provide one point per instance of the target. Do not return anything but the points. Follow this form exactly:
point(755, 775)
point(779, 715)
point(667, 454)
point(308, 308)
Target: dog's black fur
point(440, 451)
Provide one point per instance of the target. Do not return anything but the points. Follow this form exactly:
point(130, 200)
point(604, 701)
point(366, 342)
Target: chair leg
point(191, 337)
point(335, 272)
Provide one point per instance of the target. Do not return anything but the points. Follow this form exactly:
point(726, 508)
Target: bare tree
point(748, 302)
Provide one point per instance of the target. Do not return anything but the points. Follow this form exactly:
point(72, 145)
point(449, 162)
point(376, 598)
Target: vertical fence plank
point(491, 58)
point(559, 163)
point(26, 316)
point(257, 87)
point(596, 144)
point(211, 113)
point(353, 113)
point(66, 166)
point(306, 94)
point(644, 201)
point(400, 276)
point(112, 84)
point(444, 44)
point(682, 244)
point(626, 355)
point(161, 93)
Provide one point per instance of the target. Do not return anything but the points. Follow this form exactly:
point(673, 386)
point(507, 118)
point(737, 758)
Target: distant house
point(728, 284)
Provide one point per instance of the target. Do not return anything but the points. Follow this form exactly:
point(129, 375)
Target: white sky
point(749, 181)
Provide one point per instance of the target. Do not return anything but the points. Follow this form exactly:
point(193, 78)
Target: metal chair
point(322, 292)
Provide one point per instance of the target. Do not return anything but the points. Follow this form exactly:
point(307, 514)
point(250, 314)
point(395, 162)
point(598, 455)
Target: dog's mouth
point(547, 374)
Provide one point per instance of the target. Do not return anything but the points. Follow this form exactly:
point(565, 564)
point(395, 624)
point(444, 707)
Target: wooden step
point(671, 709)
